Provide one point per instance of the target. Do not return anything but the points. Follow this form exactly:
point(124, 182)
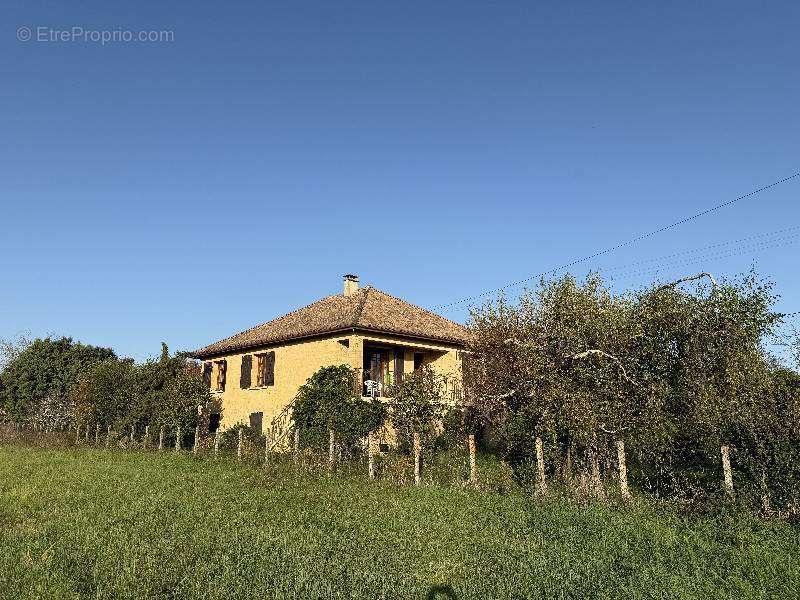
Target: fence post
point(542, 483)
point(216, 443)
point(266, 447)
point(239, 447)
point(97, 434)
point(623, 471)
point(370, 456)
point(161, 439)
point(726, 469)
point(178, 439)
point(87, 433)
point(296, 444)
point(77, 433)
point(146, 436)
point(331, 448)
point(108, 436)
point(196, 439)
point(417, 459)
point(473, 467)
point(131, 435)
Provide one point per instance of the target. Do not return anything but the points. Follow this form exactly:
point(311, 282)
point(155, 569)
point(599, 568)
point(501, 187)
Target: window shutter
point(223, 373)
point(269, 377)
point(247, 369)
point(207, 374)
point(399, 359)
point(257, 422)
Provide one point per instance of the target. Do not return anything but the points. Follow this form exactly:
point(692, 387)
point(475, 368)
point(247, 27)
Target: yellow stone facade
point(296, 361)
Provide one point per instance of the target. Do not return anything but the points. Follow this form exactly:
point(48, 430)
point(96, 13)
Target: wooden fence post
point(216, 443)
point(161, 439)
point(239, 447)
point(331, 447)
point(132, 436)
point(87, 433)
point(726, 469)
point(266, 447)
point(108, 436)
point(542, 483)
point(196, 439)
point(623, 471)
point(97, 434)
point(296, 444)
point(417, 459)
point(473, 467)
point(178, 439)
point(146, 436)
point(77, 433)
point(370, 456)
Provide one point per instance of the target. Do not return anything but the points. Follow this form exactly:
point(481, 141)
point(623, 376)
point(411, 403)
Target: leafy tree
point(418, 405)
point(42, 375)
point(168, 392)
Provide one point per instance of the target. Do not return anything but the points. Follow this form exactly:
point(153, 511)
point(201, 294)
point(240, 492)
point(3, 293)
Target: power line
point(622, 244)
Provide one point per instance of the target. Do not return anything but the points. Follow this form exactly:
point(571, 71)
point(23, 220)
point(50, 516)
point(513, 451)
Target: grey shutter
point(247, 369)
point(269, 377)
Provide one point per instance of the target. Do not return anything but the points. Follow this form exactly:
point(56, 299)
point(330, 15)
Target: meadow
point(93, 523)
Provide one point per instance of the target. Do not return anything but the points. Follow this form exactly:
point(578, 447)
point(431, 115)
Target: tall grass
point(104, 524)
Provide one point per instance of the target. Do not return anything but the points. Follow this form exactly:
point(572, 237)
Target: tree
point(41, 376)
point(118, 393)
point(417, 405)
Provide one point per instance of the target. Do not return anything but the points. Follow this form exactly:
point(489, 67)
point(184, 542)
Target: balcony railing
point(370, 388)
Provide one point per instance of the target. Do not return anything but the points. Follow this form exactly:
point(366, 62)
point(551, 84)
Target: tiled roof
point(367, 309)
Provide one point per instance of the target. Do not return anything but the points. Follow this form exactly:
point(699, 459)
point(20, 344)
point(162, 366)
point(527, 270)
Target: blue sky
point(185, 190)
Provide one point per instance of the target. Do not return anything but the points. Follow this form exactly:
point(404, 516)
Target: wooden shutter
point(399, 360)
point(223, 371)
point(207, 374)
point(269, 376)
point(247, 369)
point(256, 422)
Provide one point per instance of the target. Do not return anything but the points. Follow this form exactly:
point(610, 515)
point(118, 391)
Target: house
point(255, 375)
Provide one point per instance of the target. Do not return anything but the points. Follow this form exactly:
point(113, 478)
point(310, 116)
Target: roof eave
point(201, 354)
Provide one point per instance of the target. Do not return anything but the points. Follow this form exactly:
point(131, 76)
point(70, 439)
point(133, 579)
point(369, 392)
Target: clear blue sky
point(184, 191)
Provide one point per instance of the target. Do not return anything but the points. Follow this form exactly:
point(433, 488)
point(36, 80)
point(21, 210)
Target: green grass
point(94, 523)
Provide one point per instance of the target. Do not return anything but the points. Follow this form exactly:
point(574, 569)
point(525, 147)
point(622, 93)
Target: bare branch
point(595, 352)
point(691, 278)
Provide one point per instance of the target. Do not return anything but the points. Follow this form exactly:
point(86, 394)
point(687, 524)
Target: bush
point(328, 400)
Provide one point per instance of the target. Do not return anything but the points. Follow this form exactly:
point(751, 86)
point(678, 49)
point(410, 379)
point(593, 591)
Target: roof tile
point(368, 309)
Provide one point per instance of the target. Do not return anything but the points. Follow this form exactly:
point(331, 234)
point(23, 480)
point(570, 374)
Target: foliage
point(168, 391)
point(675, 373)
point(329, 400)
point(38, 379)
point(417, 405)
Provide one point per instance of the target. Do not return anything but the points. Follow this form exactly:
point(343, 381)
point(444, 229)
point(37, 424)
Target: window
point(213, 422)
point(256, 422)
point(266, 369)
point(247, 367)
point(418, 360)
point(221, 368)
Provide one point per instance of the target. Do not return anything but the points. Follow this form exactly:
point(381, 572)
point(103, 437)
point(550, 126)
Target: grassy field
point(94, 523)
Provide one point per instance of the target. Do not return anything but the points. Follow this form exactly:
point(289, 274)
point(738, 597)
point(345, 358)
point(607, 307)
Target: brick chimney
point(350, 284)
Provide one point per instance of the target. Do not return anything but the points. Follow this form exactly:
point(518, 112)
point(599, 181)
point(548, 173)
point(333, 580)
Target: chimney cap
point(350, 277)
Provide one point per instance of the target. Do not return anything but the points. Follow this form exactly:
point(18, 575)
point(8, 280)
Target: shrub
point(328, 400)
